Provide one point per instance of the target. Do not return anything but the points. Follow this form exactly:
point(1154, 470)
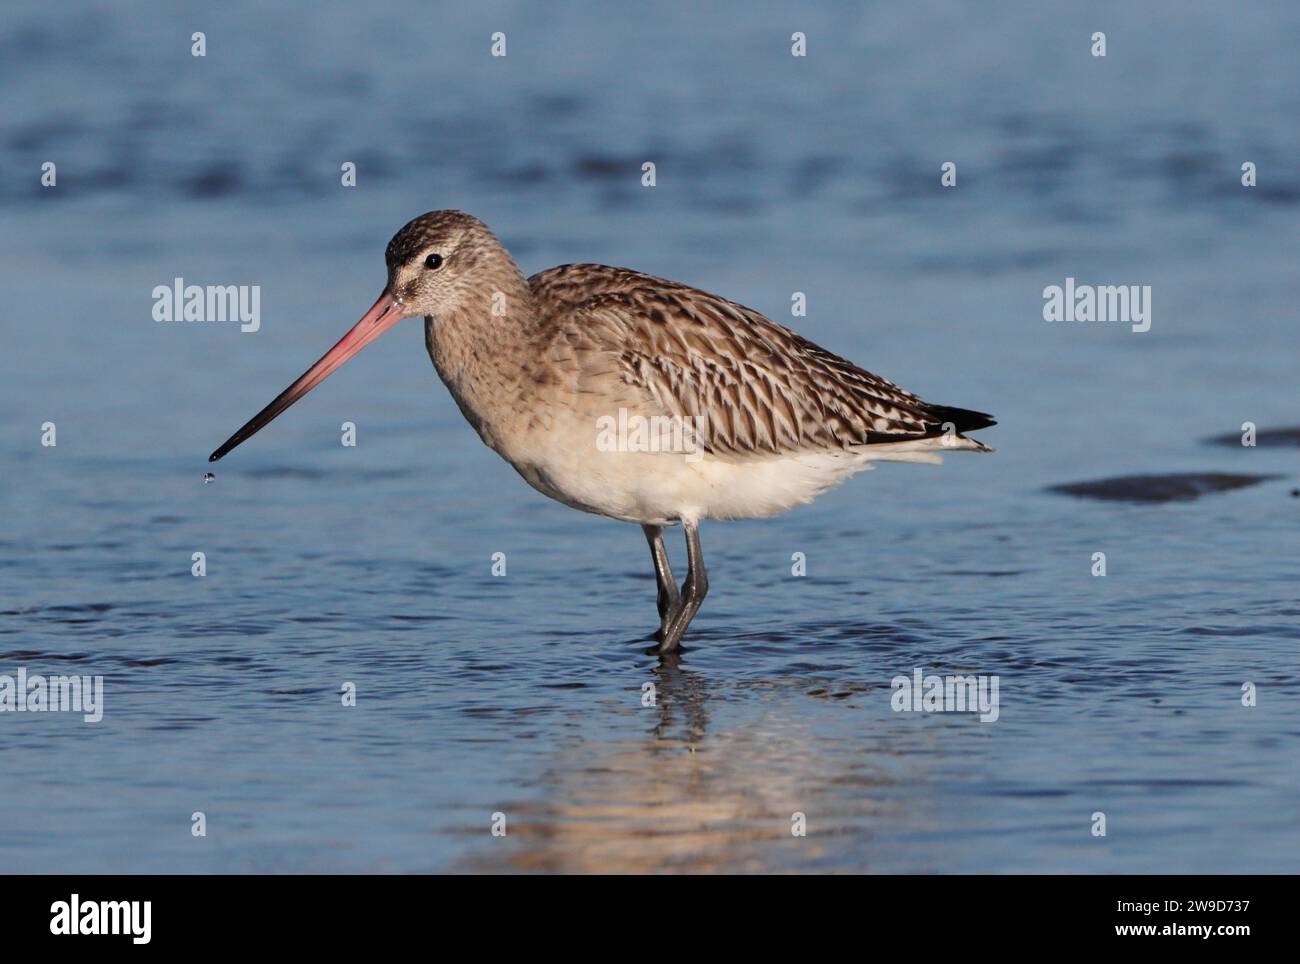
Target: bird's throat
point(479, 351)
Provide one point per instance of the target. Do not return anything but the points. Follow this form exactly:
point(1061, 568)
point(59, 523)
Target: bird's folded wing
point(760, 388)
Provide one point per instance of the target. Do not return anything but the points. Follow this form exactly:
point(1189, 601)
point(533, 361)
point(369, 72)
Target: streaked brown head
point(438, 260)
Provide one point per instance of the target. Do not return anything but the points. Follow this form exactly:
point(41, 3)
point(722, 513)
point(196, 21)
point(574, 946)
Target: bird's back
point(763, 389)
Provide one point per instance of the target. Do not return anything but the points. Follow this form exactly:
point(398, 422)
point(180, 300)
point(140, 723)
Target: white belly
point(660, 487)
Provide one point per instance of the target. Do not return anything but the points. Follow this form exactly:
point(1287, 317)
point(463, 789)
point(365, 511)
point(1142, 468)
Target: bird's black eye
point(433, 261)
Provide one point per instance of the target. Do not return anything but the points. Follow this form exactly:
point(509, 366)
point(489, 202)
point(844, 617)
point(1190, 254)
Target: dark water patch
point(82, 608)
point(1031, 792)
point(810, 174)
point(215, 180)
point(1291, 631)
point(603, 167)
point(885, 632)
point(1174, 487)
point(1269, 438)
point(557, 105)
point(42, 136)
point(226, 629)
point(835, 693)
point(1169, 784)
point(991, 573)
point(36, 654)
point(803, 666)
point(181, 723)
point(1276, 193)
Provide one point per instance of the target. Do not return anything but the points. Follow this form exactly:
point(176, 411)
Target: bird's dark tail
point(962, 419)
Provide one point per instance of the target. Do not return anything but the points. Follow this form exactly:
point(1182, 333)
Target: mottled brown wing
point(761, 388)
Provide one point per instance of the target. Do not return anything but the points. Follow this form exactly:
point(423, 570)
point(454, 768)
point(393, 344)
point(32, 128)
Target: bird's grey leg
point(694, 589)
point(668, 594)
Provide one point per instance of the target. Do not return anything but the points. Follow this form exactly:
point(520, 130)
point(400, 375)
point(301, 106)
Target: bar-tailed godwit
point(561, 374)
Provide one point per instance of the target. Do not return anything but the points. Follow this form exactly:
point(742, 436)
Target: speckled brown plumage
point(764, 388)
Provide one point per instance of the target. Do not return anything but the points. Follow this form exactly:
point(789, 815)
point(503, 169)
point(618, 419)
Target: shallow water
point(522, 694)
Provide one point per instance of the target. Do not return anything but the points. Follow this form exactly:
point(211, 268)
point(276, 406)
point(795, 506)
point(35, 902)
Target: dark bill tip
point(383, 314)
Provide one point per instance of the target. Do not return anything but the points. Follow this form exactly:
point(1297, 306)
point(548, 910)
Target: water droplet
point(208, 478)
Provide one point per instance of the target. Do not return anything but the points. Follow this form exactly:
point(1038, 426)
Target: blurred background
point(523, 695)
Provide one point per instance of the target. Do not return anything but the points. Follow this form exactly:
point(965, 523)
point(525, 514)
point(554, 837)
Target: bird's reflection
point(681, 698)
point(694, 795)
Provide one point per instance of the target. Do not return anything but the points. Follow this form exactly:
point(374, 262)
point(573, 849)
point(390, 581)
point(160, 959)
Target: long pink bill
point(382, 315)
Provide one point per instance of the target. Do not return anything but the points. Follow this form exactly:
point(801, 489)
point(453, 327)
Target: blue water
point(479, 694)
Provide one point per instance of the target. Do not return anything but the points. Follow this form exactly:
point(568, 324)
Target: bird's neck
point(479, 348)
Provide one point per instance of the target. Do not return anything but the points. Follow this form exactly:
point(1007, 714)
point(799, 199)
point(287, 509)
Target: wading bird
point(543, 367)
